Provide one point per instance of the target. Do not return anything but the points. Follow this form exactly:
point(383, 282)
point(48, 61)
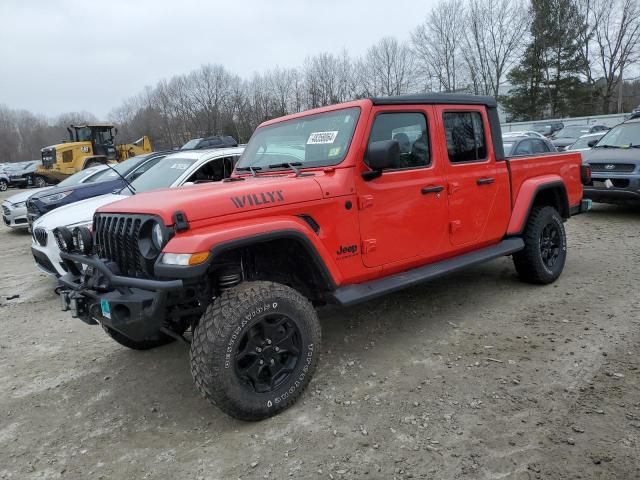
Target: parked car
point(326, 206)
point(210, 142)
point(569, 134)
point(175, 170)
point(517, 146)
point(24, 175)
point(615, 165)
point(585, 142)
point(4, 182)
point(105, 181)
point(523, 133)
point(14, 208)
point(548, 128)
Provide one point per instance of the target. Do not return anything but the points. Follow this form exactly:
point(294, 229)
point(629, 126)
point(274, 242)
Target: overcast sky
point(58, 56)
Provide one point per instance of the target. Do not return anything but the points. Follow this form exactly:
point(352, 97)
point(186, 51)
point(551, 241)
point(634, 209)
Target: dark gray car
point(569, 134)
point(515, 146)
point(615, 165)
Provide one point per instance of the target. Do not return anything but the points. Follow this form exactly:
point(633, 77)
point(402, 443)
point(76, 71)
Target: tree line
point(541, 58)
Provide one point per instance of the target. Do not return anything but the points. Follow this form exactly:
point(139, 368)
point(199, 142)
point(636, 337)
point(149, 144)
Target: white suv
point(176, 170)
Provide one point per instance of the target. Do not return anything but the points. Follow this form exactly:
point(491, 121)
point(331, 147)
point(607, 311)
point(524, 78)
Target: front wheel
point(545, 247)
point(40, 182)
point(4, 185)
point(255, 349)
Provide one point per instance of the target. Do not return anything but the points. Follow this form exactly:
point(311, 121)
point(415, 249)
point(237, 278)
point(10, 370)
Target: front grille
point(40, 235)
point(613, 167)
point(43, 261)
point(6, 211)
point(116, 239)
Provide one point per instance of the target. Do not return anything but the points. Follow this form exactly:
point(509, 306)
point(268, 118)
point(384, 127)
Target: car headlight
point(20, 205)
point(157, 236)
point(56, 197)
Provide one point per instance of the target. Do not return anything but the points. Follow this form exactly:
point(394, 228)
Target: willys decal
point(255, 199)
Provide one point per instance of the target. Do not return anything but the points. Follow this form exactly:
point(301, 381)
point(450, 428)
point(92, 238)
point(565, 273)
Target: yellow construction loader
point(88, 145)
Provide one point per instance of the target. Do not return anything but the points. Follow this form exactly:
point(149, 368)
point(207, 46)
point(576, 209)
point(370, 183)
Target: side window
point(525, 147)
point(212, 171)
point(539, 146)
point(411, 133)
point(465, 136)
point(146, 166)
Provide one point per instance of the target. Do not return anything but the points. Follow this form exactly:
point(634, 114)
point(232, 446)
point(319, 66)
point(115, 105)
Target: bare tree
point(493, 39)
point(437, 44)
point(386, 69)
point(617, 37)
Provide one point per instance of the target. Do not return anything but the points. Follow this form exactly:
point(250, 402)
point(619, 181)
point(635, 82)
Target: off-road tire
point(147, 344)
point(3, 185)
point(40, 181)
point(220, 334)
point(529, 262)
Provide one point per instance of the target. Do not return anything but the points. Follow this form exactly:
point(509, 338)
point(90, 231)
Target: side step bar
point(360, 292)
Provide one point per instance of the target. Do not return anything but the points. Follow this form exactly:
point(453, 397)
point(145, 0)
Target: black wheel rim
point(268, 352)
point(550, 244)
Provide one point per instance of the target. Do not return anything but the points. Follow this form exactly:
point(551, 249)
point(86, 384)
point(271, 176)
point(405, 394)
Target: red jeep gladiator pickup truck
point(334, 205)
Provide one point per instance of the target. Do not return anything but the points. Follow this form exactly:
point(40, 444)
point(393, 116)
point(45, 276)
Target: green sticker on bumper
point(106, 310)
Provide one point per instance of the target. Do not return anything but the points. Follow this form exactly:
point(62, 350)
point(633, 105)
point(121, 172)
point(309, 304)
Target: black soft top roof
point(437, 98)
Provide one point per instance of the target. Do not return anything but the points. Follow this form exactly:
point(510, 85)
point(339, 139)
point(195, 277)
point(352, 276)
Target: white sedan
point(14, 208)
point(176, 170)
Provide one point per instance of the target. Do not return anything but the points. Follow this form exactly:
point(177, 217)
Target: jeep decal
point(347, 251)
point(255, 199)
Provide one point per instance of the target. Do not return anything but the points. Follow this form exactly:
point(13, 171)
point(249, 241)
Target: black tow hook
point(174, 335)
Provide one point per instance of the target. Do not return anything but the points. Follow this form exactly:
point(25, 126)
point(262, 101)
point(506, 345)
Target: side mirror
point(380, 156)
point(591, 143)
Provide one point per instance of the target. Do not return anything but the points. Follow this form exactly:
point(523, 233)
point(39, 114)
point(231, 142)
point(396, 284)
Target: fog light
point(64, 238)
point(83, 240)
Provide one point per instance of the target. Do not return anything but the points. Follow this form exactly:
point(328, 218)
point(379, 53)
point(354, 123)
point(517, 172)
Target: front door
point(476, 188)
point(403, 214)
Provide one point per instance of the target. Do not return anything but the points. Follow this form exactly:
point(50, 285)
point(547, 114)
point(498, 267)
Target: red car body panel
point(370, 229)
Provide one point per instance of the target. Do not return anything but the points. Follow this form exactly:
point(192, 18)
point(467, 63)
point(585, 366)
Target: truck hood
point(74, 213)
point(24, 195)
point(612, 155)
point(200, 202)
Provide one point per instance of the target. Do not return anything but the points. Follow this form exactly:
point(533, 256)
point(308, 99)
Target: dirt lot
point(475, 376)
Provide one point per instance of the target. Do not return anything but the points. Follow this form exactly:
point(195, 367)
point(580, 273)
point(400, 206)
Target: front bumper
point(623, 188)
point(134, 307)
point(14, 217)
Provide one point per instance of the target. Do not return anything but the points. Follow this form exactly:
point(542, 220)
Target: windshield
point(123, 169)
point(310, 141)
point(191, 144)
point(83, 134)
point(80, 177)
point(583, 142)
point(162, 175)
point(621, 136)
point(573, 131)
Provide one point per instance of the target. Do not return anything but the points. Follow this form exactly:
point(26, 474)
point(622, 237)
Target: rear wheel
point(255, 349)
point(3, 185)
point(543, 257)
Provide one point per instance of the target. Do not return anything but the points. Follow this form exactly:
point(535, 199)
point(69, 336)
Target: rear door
point(403, 213)
point(477, 187)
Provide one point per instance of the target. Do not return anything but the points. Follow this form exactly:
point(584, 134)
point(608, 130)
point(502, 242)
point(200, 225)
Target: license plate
point(106, 309)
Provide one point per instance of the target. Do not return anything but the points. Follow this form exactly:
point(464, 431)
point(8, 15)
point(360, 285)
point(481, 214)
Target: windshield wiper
point(253, 170)
point(292, 165)
point(129, 186)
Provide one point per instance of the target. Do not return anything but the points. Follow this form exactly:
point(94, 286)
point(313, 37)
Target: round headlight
point(157, 236)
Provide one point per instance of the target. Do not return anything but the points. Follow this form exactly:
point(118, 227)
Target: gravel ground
point(474, 376)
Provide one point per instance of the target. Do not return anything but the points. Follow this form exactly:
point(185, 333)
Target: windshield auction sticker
point(317, 138)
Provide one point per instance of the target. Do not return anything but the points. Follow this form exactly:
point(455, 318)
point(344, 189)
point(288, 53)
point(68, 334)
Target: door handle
point(433, 189)
point(485, 180)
